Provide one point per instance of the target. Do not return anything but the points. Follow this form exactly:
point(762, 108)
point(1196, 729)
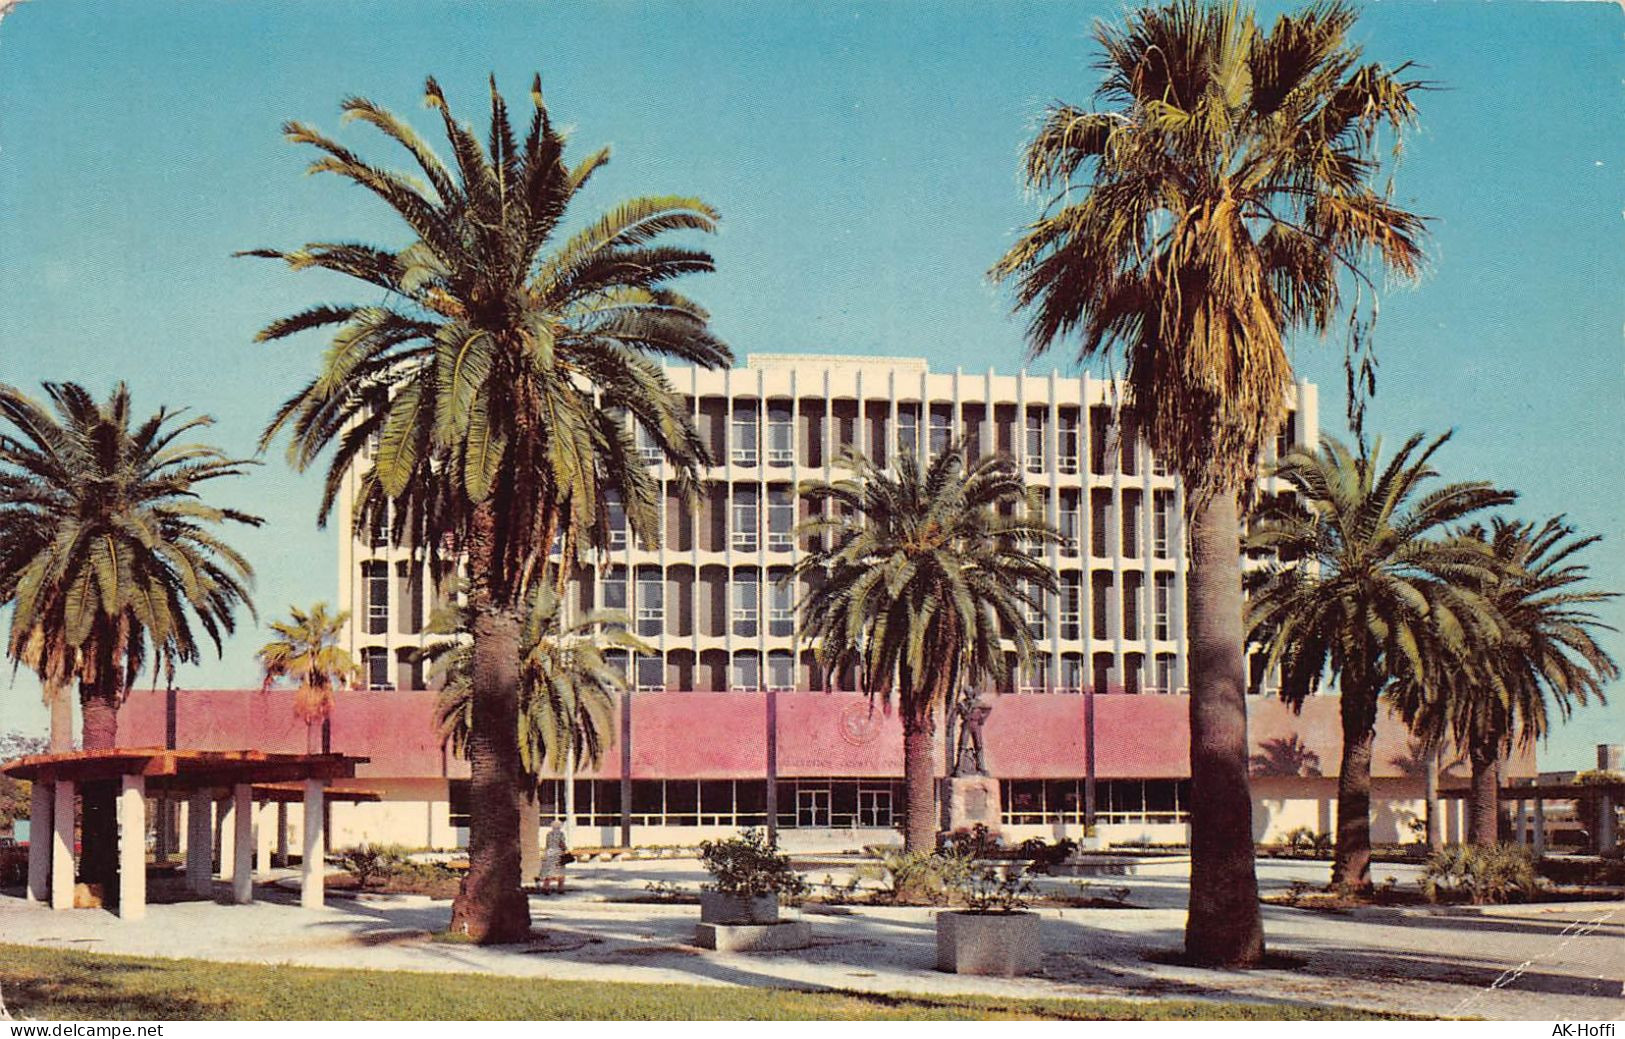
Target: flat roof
point(166, 769)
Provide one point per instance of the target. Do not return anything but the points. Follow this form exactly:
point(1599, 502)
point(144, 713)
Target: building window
point(651, 673)
point(1288, 436)
point(1164, 524)
point(746, 603)
point(375, 578)
point(781, 671)
point(375, 664)
point(1036, 417)
point(619, 662)
point(648, 448)
point(1067, 463)
point(1069, 523)
point(744, 517)
point(1035, 674)
point(614, 592)
point(780, 435)
point(1071, 677)
point(378, 529)
point(1164, 673)
point(1131, 606)
point(781, 617)
point(651, 601)
point(908, 429)
point(1100, 521)
point(747, 676)
point(1071, 606)
point(1036, 609)
point(615, 519)
point(874, 806)
point(744, 446)
point(781, 519)
point(942, 428)
point(1162, 605)
point(1131, 524)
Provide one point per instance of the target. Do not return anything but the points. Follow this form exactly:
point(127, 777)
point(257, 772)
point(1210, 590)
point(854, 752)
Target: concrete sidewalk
point(1538, 963)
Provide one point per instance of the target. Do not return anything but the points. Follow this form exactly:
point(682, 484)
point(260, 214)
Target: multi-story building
point(730, 722)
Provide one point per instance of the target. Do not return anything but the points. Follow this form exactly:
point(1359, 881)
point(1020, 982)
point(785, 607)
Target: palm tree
point(110, 554)
point(498, 377)
point(567, 686)
point(1220, 200)
point(308, 651)
point(1367, 589)
point(1548, 657)
point(919, 583)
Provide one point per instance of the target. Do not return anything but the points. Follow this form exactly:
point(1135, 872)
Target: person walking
point(554, 857)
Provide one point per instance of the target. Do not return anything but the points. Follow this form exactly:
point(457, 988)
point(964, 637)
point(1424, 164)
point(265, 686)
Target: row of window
point(837, 803)
point(932, 427)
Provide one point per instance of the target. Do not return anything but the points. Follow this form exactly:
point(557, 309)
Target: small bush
point(924, 877)
point(750, 865)
point(992, 890)
point(1482, 876)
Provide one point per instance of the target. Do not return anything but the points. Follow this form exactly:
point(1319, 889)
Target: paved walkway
point(1514, 962)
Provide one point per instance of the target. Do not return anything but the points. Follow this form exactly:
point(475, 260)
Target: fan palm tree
point(307, 650)
point(921, 581)
point(567, 686)
point(1368, 589)
point(108, 554)
point(1219, 200)
point(498, 366)
point(1548, 657)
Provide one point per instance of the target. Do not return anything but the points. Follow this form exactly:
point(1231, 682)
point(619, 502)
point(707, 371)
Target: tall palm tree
point(307, 650)
point(498, 366)
point(1548, 657)
point(921, 581)
point(108, 554)
point(1219, 200)
point(1367, 589)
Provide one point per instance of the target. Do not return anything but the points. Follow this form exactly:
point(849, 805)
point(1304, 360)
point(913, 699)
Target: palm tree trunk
point(490, 906)
point(1435, 819)
point(98, 821)
point(1351, 868)
point(1223, 926)
point(59, 698)
point(919, 782)
point(1484, 814)
point(313, 740)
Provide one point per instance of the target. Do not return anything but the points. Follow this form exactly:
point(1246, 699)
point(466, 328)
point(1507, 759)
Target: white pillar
point(199, 842)
point(62, 846)
point(132, 848)
point(40, 837)
point(1540, 827)
point(1520, 833)
point(281, 858)
point(264, 827)
point(225, 836)
point(242, 844)
point(311, 889)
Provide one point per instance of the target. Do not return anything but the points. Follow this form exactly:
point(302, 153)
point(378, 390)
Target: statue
point(972, 710)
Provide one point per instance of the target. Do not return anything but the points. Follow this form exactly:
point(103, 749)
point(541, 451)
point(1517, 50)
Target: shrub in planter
point(921, 877)
point(749, 877)
point(1482, 876)
point(994, 933)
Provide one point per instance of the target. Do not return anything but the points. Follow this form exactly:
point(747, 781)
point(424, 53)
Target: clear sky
point(864, 158)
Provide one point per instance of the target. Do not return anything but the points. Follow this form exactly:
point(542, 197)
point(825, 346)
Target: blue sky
point(864, 159)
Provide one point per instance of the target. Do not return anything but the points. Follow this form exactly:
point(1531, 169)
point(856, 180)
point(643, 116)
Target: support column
point(132, 848)
point(312, 893)
point(62, 846)
point(242, 845)
point(281, 857)
point(1540, 827)
point(41, 835)
point(225, 835)
point(200, 842)
point(1520, 832)
point(264, 825)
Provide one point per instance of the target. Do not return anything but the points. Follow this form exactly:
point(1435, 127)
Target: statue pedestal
point(969, 800)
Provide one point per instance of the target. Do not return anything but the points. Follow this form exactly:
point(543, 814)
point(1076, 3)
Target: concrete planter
point(774, 937)
point(1002, 944)
point(717, 908)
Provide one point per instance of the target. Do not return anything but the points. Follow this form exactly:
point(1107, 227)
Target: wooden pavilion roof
point(182, 769)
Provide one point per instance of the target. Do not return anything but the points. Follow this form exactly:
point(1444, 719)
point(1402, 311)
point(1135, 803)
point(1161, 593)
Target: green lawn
point(68, 984)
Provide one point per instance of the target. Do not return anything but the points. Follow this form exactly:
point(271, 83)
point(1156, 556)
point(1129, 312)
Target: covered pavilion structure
point(242, 777)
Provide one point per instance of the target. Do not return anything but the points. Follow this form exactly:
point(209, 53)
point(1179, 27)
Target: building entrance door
point(812, 808)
